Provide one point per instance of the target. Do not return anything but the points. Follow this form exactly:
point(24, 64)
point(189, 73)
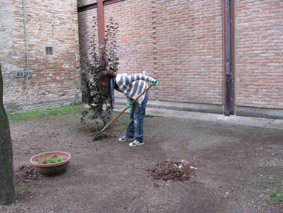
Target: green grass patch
point(274, 196)
point(247, 134)
point(50, 111)
point(273, 190)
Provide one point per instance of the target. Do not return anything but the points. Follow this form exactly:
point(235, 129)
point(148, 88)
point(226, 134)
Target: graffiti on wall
point(129, 53)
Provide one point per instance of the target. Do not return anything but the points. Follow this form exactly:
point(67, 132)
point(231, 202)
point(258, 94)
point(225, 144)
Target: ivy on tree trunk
point(7, 186)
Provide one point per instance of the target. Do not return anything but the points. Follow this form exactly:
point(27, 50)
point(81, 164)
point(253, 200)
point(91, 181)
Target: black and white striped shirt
point(133, 85)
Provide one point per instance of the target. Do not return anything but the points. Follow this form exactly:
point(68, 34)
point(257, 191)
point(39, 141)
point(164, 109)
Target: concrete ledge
point(211, 108)
point(212, 117)
point(259, 112)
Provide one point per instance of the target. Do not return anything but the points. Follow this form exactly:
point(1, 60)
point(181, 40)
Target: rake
point(114, 119)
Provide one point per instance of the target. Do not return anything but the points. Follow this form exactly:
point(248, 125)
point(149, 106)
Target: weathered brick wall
point(259, 58)
point(135, 39)
point(12, 54)
point(135, 43)
point(180, 43)
point(54, 78)
point(87, 31)
point(170, 42)
point(188, 42)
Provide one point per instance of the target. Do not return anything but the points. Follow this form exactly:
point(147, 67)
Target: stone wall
point(55, 73)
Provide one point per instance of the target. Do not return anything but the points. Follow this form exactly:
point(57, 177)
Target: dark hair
point(106, 75)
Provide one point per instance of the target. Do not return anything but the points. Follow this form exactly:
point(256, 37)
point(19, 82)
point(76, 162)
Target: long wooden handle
point(127, 108)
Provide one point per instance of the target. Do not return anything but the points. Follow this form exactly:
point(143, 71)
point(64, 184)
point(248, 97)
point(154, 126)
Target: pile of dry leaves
point(170, 170)
point(25, 174)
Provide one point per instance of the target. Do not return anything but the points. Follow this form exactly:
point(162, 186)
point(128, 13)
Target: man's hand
point(154, 82)
point(129, 105)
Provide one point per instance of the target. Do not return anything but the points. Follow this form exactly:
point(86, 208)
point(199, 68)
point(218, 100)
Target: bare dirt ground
point(235, 166)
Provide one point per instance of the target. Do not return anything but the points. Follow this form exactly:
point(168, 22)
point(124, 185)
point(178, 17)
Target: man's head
point(104, 77)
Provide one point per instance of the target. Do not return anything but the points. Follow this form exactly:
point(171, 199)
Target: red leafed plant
point(94, 95)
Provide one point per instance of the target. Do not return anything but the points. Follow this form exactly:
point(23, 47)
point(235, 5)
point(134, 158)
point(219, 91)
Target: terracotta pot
point(53, 168)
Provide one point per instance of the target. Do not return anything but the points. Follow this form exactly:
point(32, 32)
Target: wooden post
point(7, 186)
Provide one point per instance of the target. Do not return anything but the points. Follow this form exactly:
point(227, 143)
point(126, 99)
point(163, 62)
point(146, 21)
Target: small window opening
point(20, 73)
point(48, 50)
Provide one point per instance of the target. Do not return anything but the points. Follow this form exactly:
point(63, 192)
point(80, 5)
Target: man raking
point(131, 86)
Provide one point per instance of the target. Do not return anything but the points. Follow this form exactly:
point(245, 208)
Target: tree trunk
point(7, 186)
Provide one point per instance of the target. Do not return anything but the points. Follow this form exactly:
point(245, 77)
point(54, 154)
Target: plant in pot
point(51, 163)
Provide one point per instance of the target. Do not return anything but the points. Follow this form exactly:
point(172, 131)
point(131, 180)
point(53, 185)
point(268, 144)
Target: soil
point(25, 174)
point(170, 170)
point(103, 136)
point(234, 167)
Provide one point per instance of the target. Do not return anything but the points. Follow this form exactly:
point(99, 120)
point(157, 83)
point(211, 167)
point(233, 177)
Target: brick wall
point(135, 43)
point(12, 55)
point(87, 30)
point(135, 39)
point(177, 42)
point(188, 38)
point(259, 44)
point(180, 43)
point(49, 23)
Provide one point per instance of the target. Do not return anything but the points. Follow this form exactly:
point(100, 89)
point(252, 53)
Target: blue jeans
point(137, 114)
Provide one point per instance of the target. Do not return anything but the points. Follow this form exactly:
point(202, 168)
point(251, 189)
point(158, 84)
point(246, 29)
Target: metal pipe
point(101, 32)
point(27, 74)
point(228, 75)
